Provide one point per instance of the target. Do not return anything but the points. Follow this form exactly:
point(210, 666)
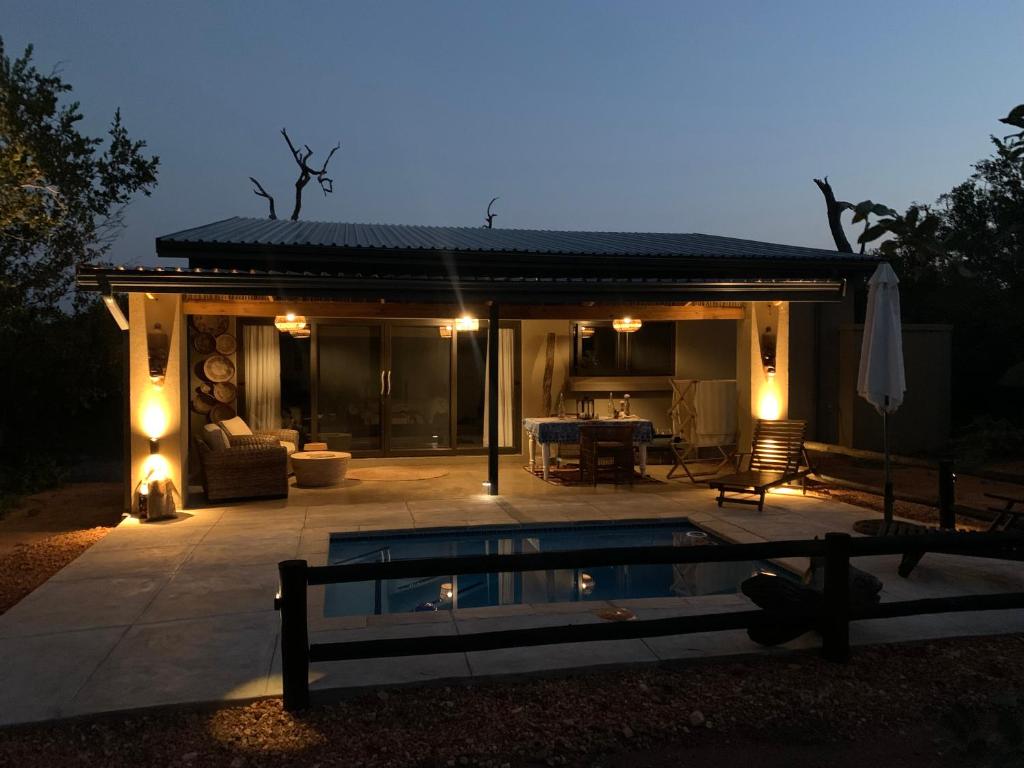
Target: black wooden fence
point(833, 619)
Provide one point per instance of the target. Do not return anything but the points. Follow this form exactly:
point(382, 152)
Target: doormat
point(570, 475)
point(395, 473)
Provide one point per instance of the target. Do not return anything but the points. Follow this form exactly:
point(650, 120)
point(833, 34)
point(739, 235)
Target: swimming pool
point(447, 593)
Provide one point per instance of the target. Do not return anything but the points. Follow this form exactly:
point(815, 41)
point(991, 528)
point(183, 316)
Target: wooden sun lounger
point(1006, 516)
point(775, 459)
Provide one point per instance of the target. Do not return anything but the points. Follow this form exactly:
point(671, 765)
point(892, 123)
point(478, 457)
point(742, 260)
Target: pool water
point(446, 593)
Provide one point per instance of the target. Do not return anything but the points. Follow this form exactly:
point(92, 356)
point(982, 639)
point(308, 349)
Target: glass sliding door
point(471, 365)
point(418, 388)
point(351, 379)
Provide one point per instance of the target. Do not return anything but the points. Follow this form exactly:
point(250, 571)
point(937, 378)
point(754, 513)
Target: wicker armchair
point(289, 436)
point(253, 466)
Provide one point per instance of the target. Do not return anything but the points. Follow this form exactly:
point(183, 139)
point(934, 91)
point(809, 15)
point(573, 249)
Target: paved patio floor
point(181, 611)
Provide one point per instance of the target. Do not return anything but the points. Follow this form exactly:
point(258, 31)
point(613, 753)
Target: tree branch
point(261, 192)
point(834, 210)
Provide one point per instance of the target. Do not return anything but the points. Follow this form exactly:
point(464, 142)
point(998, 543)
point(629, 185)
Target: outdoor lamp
point(586, 583)
point(627, 324)
point(445, 331)
point(447, 590)
point(768, 351)
point(290, 322)
point(467, 323)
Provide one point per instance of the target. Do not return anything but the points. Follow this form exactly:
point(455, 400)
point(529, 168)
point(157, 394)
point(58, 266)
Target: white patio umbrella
point(881, 379)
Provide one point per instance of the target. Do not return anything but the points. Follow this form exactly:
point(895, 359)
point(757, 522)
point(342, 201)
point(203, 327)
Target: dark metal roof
point(373, 286)
point(266, 235)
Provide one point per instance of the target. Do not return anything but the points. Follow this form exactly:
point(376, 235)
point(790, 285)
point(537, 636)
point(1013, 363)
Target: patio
point(180, 611)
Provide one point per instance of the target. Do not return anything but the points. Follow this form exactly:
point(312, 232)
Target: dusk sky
point(676, 116)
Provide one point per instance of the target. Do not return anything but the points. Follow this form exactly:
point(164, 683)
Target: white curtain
point(506, 386)
point(262, 355)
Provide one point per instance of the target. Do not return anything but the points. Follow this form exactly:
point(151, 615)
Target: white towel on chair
point(715, 404)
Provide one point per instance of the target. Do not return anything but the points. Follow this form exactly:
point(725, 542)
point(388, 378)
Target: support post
point(947, 495)
point(291, 602)
point(492, 399)
point(835, 630)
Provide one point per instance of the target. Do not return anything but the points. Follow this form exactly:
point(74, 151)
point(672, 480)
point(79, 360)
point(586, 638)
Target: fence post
point(291, 602)
point(947, 495)
point(835, 631)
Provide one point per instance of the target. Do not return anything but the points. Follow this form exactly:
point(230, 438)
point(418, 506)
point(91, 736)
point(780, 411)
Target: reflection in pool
point(560, 586)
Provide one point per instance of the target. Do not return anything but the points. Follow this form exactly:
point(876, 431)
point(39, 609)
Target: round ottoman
point(318, 468)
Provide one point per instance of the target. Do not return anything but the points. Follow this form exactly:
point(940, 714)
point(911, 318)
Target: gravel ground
point(956, 702)
point(26, 566)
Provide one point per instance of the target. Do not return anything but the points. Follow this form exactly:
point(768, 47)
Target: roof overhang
point(444, 290)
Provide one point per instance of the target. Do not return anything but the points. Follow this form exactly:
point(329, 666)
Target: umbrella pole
point(888, 498)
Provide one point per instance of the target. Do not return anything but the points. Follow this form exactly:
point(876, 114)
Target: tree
point(62, 199)
point(961, 261)
point(62, 193)
point(306, 174)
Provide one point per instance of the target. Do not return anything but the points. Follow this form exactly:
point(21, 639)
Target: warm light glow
point(154, 419)
point(290, 322)
point(155, 467)
point(627, 324)
point(445, 331)
point(467, 323)
point(586, 584)
point(302, 333)
point(586, 331)
point(768, 404)
point(447, 591)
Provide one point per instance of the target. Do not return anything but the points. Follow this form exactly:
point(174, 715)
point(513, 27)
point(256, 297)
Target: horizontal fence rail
point(832, 619)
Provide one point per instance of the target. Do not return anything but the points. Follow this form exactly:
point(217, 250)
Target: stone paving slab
point(179, 611)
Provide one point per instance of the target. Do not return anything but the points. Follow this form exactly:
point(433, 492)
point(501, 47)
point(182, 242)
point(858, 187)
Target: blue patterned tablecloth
point(555, 430)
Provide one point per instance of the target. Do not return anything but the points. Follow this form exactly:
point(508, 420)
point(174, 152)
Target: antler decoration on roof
point(490, 216)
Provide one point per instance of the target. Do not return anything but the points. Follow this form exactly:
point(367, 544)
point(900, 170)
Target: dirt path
point(48, 530)
point(945, 703)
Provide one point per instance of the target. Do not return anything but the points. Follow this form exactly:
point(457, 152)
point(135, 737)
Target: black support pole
point(492, 399)
point(835, 631)
point(947, 495)
point(291, 602)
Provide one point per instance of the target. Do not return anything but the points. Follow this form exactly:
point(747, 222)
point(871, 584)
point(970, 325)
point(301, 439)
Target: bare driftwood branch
point(259, 191)
point(834, 210)
point(489, 218)
point(306, 172)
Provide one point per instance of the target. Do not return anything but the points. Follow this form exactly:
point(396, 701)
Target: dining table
point(550, 431)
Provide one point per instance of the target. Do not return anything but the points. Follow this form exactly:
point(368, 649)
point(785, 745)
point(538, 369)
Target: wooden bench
point(775, 459)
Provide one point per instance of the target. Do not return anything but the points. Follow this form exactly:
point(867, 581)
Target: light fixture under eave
point(445, 331)
point(302, 333)
point(586, 331)
point(467, 323)
point(290, 322)
point(627, 324)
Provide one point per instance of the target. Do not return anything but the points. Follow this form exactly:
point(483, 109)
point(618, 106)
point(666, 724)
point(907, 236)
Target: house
point(385, 340)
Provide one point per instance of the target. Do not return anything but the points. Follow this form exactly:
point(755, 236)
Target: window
point(600, 350)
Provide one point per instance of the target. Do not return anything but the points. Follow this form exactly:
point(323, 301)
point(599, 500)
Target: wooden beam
point(250, 307)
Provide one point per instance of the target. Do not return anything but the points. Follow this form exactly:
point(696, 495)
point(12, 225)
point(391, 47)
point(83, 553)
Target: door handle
point(382, 383)
point(389, 382)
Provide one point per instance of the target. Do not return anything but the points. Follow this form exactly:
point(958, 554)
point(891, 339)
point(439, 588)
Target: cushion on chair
point(290, 447)
point(215, 437)
point(235, 426)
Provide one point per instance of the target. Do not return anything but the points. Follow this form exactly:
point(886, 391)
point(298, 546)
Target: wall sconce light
point(586, 584)
point(447, 591)
point(158, 345)
point(154, 445)
point(627, 324)
point(445, 331)
point(289, 322)
point(768, 351)
point(586, 331)
point(467, 323)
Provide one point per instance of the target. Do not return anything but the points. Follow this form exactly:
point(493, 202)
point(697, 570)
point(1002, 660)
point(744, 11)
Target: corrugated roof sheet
point(264, 233)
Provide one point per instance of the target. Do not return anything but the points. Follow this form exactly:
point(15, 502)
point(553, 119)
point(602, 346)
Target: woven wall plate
point(203, 403)
point(214, 325)
point(224, 392)
point(226, 344)
point(203, 343)
point(221, 412)
point(218, 368)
